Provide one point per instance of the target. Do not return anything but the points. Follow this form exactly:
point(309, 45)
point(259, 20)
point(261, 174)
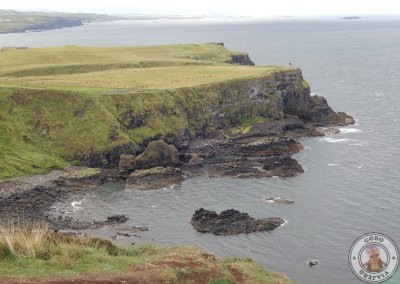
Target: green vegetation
point(246, 125)
point(15, 21)
point(32, 252)
point(254, 271)
point(59, 104)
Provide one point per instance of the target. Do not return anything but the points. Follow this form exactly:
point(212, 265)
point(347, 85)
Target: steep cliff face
point(271, 97)
point(45, 128)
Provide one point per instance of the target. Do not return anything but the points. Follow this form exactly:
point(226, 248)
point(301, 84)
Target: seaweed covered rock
point(231, 222)
point(82, 177)
point(157, 154)
point(154, 178)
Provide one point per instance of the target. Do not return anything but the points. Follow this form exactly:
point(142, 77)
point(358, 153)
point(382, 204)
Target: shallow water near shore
point(351, 181)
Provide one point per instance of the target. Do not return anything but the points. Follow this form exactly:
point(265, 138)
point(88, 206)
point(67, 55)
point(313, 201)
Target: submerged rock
point(154, 178)
point(313, 262)
point(279, 200)
point(117, 219)
point(231, 222)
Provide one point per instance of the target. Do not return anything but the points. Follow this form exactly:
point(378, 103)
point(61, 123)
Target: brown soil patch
point(238, 276)
point(198, 269)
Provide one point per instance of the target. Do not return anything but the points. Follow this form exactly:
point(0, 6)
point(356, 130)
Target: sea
point(351, 183)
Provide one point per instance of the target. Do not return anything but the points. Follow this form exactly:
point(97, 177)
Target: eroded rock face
point(157, 154)
point(231, 222)
point(241, 59)
point(154, 178)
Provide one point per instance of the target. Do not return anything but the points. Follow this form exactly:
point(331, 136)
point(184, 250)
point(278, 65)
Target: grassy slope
point(35, 253)
point(45, 119)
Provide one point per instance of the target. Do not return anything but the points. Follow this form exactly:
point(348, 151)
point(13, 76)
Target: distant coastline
point(352, 18)
point(19, 22)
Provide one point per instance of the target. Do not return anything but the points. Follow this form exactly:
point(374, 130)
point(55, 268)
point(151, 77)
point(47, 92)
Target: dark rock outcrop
point(231, 222)
point(117, 219)
point(241, 59)
point(284, 166)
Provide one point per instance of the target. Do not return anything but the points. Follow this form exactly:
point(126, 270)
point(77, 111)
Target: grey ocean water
point(351, 181)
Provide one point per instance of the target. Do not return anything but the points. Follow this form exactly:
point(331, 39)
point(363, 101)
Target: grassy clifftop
point(64, 103)
point(33, 254)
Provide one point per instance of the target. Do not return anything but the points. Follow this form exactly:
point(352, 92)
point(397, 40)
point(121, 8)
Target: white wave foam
point(350, 130)
point(76, 203)
point(336, 140)
point(333, 165)
point(356, 144)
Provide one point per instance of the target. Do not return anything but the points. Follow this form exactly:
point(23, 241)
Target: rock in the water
point(117, 219)
point(279, 200)
point(154, 178)
point(231, 222)
point(157, 154)
point(313, 262)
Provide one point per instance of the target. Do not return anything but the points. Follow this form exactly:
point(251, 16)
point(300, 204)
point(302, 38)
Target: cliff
point(47, 121)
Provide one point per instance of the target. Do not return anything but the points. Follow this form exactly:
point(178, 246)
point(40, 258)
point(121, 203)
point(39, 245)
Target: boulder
point(231, 222)
point(154, 178)
point(126, 162)
point(157, 154)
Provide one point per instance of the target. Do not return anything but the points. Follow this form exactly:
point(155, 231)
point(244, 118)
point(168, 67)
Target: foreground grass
point(33, 252)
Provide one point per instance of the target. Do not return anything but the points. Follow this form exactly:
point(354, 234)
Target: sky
point(254, 8)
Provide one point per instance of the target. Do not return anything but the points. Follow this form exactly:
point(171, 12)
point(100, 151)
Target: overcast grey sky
point(213, 7)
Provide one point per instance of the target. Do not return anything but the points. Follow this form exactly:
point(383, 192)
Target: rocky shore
point(249, 129)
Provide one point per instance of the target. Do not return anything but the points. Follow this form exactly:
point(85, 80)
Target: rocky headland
point(246, 127)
